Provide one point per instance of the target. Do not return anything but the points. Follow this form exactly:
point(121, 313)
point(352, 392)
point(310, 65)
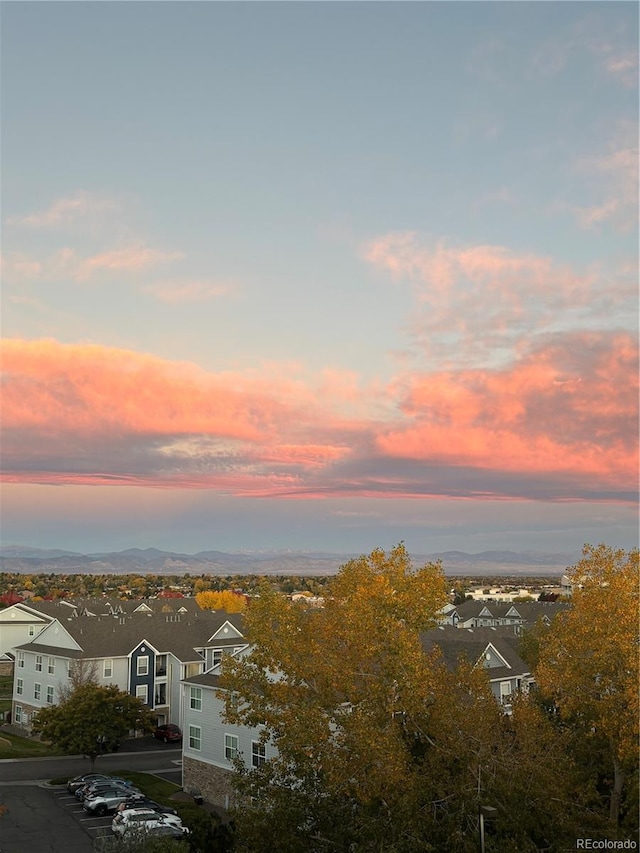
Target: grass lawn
point(12, 746)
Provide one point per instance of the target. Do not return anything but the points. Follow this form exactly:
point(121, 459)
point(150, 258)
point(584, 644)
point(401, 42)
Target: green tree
point(92, 720)
point(588, 666)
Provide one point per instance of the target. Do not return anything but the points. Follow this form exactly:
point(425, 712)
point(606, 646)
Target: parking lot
point(39, 818)
point(36, 820)
point(91, 824)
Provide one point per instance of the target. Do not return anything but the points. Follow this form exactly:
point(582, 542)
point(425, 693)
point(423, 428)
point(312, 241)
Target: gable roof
point(473, 644)
point(168, 632)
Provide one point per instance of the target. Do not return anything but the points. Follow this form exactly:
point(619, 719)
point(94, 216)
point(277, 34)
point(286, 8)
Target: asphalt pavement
point(35, 817)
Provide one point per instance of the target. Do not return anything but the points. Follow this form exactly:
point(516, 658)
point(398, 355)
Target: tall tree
point(327, 684)
point(93, 720)
point(588, 663)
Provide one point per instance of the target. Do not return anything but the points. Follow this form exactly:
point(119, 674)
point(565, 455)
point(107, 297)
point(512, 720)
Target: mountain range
point(25, 560)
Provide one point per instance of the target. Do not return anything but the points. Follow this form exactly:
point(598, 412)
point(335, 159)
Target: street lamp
point(486, 813)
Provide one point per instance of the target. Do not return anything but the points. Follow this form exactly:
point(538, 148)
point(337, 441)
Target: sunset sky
point(319, 276)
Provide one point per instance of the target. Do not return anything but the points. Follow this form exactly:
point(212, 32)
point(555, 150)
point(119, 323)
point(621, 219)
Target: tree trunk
point(616, 793)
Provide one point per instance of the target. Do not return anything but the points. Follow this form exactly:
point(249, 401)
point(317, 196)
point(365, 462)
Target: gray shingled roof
point(114, 636)
point(457, 642)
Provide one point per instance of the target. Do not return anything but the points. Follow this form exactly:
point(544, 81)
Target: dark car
point(99, 784)
point(168, 733)
point(139, 801)
point(81, 781)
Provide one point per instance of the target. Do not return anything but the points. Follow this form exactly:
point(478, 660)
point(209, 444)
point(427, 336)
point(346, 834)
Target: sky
point(319, 275)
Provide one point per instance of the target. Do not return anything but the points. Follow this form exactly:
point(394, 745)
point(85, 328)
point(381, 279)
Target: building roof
point(166, 631)
point(472, 643)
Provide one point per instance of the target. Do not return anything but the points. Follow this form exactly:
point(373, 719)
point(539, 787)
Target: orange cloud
point(558, 424)
point(570, 406)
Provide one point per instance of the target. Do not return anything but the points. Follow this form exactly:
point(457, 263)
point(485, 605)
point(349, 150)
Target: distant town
point(27, 573)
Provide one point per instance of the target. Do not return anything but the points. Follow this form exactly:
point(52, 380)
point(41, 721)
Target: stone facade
point(28, 710)
point(6, 667)
point(213, 782)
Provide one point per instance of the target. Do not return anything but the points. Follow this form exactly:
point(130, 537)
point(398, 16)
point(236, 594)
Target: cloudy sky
point(320, 275)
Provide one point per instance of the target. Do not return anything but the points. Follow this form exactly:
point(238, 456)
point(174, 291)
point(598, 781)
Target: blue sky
point(320, 275)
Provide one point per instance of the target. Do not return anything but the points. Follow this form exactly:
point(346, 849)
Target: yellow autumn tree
point(330, 687)
point(226, 599)
point(588, 663)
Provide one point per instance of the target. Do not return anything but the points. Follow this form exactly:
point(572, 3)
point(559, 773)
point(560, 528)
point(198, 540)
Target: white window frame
point(143, 659)
point(49, 694)
point(142, 692)
point(195, 698)
point(19, 686)
point(230, 746)
point(107, 668)
point(195, 738)
point(505, 690)
point(258, 753)
point(20, 660)
point(18, 714)
point(37, 691)
point(38, 663)
point(216, 657)
point(51, 666)
point(32, 630)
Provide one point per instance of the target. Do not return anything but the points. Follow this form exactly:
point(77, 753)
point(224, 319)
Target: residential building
point(145, 648)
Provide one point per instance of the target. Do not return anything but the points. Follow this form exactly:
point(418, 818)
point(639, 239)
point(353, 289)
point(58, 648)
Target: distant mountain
point(17, 558)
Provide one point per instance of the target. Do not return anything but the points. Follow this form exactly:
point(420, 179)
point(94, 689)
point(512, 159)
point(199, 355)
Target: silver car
point(108, 799)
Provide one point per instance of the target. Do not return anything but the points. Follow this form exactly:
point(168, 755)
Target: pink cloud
point(557, 424)
point(570, 405)
point(475, 304)
point(67, 210)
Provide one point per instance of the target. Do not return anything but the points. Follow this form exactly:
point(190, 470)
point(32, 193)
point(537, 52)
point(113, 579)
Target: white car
point(143, 820)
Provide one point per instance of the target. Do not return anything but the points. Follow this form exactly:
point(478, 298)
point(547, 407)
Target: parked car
point(107, 800)
point(96, 785)
point(81, 781)
point(168, 733)
point(143, 820)
point(139, 801)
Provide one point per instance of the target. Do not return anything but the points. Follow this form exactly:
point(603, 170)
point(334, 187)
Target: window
point(142, 692)
point(32, 630)
point(49, 695)
point(230, 747)
point(160, 695)
point(38, 663)
point(216, 657)
point(51, 665)
point(37, 690)
point(21, 660)
point(505, 690)
point(107, 668)
point(161, 665)
point(19, 686)
point(195, 737)
point(143, 666)
point(18, 714)
point(258, 753)
point(195, 698)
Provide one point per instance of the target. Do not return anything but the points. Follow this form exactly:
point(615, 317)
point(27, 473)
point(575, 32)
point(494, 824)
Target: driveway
point(35, 820)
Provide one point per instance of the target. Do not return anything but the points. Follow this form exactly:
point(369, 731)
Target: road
point(145, 754)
